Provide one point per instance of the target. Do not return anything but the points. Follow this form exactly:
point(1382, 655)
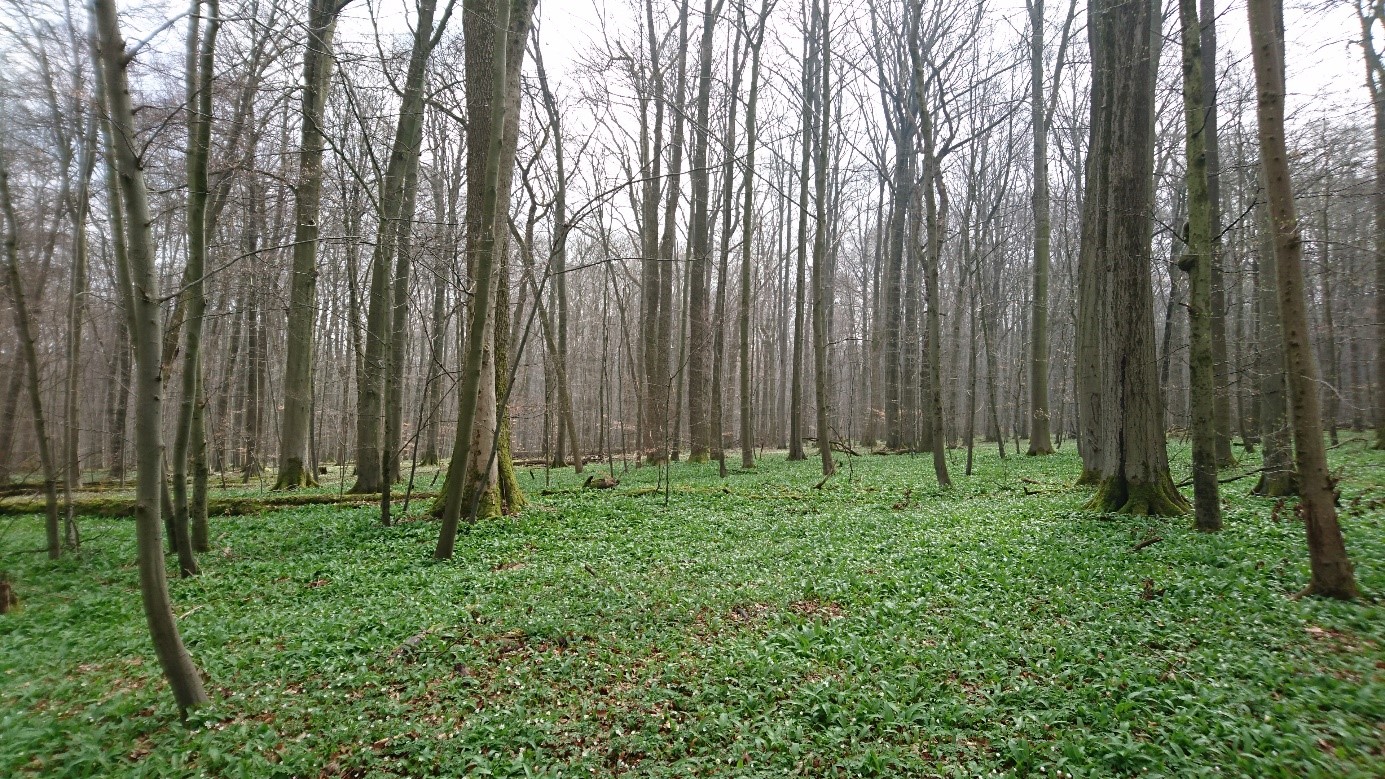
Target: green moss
point(1116, 495)
point(294, 476)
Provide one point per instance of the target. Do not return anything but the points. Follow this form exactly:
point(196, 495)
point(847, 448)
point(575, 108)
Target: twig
point(1228, 479)
point(1147, 542)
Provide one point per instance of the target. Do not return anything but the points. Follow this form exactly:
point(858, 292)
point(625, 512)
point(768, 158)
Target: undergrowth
point(754, 626)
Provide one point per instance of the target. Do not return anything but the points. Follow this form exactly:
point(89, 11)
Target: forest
point(833, 388)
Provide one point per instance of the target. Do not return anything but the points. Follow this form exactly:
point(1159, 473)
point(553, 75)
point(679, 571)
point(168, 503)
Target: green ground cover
point(751, 627)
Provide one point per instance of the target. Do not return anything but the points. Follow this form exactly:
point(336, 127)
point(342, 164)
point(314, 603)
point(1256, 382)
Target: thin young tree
point(142, 301)
point(24, 331)
point(201, 53)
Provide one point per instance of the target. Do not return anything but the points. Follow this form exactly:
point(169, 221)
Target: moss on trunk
point(1116, 495)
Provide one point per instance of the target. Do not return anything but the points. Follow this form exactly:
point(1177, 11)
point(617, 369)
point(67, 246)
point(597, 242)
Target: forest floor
point(749, 627)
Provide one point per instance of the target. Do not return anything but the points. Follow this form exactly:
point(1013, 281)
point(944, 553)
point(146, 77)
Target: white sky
point(1325, 70)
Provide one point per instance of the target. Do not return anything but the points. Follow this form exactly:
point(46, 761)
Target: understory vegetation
point(752, 626)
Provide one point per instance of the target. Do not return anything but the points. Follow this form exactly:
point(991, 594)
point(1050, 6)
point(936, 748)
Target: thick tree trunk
point(1332, 574)
point(495, 31)
point(1125, 424)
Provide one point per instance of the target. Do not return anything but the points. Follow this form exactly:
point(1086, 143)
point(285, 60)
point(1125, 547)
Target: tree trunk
point(142, 298)
point(1332, 574)
point(317, 75)
point(1039, 442)
point(1277, 477)
point(700, 325)
point(1197, 262)
point(490, 29)
point(822, 100)
point(1127, 425)
point(24, 332)
point(747, 232)
point(1221, 368)
point(201, 49)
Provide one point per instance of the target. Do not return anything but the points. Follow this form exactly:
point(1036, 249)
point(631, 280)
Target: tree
point(24, 330)
point(1332, 574)
point(298, 360)
point(201, 50)
point(142, 300)
point(1372, 14)
point(757, 37)
point(821, 103)
point(700, 335)
point(376, 425)
point(1121, 407)
point(1041, 120)
point(1197, 263)
point(492, 91)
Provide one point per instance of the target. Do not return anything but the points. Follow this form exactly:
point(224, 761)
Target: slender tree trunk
point(317, 75)
point(1332, 574)
point(724, 255)
point(558, 259)
point(1331, 389)
point(821, 292)
point(1197, 262)
point(24, 332)
point(1039, 443)
point(747, 233)
point(76, 310)
point(201, 51)
point(800, 289)
point(142, 297)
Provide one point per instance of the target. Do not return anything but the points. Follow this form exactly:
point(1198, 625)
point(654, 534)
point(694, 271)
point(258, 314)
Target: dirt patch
point(815, 609)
